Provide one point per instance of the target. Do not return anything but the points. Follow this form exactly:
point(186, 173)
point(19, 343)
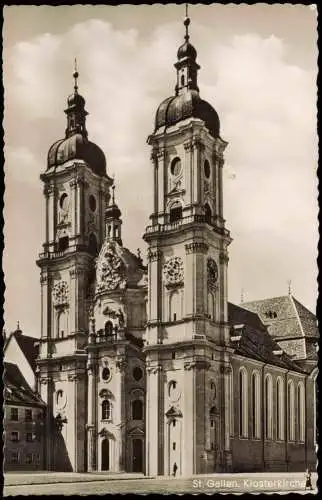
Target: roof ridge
point(297, 314)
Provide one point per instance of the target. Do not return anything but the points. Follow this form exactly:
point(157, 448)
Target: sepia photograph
point(160, 249)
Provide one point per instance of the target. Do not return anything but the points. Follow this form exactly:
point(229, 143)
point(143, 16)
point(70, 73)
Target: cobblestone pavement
point(94, 484)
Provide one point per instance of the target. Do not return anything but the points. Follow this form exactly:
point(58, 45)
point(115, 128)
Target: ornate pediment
point(106, 394)
point(137, 431)
point(105, 433)
point(110, 269)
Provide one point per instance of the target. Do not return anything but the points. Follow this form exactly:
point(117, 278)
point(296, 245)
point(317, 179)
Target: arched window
point(255, 405)
point(59, 397)
point(62, 324)
point(108, 329)
point(106, 410)
point(211, 305)
point(212, 415)
point(279, 409)
point(92, 245)
point(290, 411)
point(175, 212)
point(175, 168)
point(106, 373)
point(243, 403)
point(208, 213)
point(300, 412)
point(137, 409)
point(268, 407)
point(182, 80)
point(231, 402)
point(175, 306)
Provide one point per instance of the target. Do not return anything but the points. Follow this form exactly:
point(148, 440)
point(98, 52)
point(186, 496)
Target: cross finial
point(75, 75)
point(139, 253)
point(242, 295)
point(113, 194)
point(186, 22)
point(289, 287)
point(18, 325)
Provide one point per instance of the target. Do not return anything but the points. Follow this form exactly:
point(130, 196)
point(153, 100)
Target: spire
point(242, 296)
point(76, 114)
point(75, 75)
point(113, 221)
point(186, 22)
point(186, 66)
point(289, 287)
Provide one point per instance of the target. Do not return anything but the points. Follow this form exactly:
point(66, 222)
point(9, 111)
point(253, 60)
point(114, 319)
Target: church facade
point(149, 368)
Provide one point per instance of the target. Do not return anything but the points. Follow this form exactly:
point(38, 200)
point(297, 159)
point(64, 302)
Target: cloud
point(266, 106)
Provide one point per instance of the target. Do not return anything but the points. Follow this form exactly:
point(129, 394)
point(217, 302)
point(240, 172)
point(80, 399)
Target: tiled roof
point(254, 341)
point(288, 322)
point(17, 391)
point(29, 347)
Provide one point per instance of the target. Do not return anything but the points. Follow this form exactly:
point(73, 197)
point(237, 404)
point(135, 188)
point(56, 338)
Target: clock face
point(173, 270)
point(174, 391)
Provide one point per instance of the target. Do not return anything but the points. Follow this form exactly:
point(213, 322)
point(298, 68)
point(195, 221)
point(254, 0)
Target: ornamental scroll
point(212, 274)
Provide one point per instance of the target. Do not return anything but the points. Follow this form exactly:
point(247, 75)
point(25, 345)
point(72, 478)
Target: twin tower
point(133, 356)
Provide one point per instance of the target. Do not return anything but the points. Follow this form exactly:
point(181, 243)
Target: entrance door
point(137, 460)
point(105, 454)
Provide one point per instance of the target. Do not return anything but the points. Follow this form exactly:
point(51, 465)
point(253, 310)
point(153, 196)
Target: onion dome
point(187, 103)
point(75, 145)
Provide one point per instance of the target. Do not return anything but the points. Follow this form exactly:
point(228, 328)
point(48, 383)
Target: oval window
point(207, 169)
point(137, 373)
point(92, 203)
point(175, 167)
point(106, 373)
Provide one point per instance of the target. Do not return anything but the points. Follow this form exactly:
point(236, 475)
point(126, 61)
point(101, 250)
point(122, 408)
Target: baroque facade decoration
point(148, 366)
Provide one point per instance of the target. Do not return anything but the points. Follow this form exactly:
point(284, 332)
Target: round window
point(175, 167)
point(92, 203)
point(137, 373)
point(106, 373)
point(207, 169)
point(63, 202)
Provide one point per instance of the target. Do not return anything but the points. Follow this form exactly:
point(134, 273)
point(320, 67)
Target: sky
point(258, 70)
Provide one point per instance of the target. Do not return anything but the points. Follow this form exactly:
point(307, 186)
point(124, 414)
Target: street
point(223, 483)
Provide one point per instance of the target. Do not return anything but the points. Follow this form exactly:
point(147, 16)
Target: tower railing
point(190, 219)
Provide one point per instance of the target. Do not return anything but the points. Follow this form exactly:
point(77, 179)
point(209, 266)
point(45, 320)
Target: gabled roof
point(288, 322)
point(28, 345)
point(16, 389)
point(250, 338)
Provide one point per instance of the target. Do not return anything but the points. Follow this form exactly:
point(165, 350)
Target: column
point(120, 464)
point(154, 160)
point(189, 420)
point(73, 185)
point(51, 212)
point(220, 186)
point(90, 419)
point(227, 458)
point(189, 172)
point(154, 423)
point(223, 295)
point(161, 155)
point(46, 235)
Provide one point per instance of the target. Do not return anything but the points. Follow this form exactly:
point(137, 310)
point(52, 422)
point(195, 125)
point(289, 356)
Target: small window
point(14, 436)
point(208, 214)
point(137, 373)
point(14, 457)
point(29, 437)
point(92, 245)
point(182, 80)
point(92, 203)
point(207, 169)
point(36, 458)
point(212, 355)
point(137, 409)
point(14, 414)
point(174, 422)
point(212, 423)
point(106, 410)
point(174, 357)
point(174, 316)
point(175, 212)
point(106, 373)
point(212, 386)
point(173, 446)
point(28, 458)
point(28, 415)
point(63, 244)
point(108, 328)
point(212, 446)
